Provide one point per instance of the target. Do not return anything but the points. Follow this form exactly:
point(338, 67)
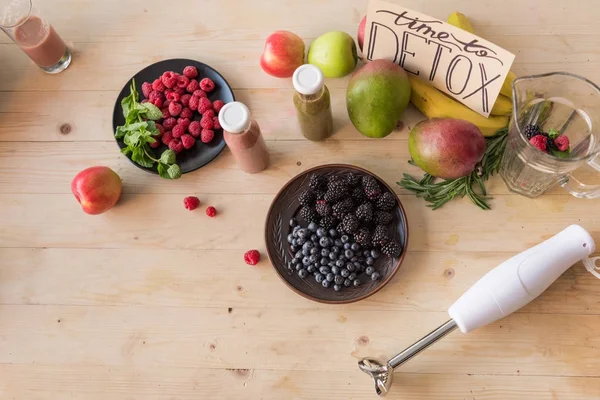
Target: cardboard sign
point(458, 63)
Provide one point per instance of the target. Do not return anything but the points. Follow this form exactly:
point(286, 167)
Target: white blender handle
point(519, 280)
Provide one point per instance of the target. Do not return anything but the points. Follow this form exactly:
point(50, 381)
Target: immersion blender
point(502, 291)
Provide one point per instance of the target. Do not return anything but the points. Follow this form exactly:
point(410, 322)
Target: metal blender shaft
point(383, 375)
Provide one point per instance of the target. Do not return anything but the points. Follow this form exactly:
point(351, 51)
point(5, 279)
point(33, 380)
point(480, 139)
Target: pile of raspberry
point(188, 114)
point(545, 141)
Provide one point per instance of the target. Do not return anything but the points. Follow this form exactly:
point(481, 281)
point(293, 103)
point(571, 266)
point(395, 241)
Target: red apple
point(97, 189)
point(284, 52)
point(361, 32)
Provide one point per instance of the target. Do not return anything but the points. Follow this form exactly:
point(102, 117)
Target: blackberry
point(322, 208)
point(358, 194)
point(386, 202)
point(364, 212)
point(352, 179)
point(391, 249)
point(335, 192)
point(382, 217)
point(309, 214)
point(381, 235)
point(350, 223)
point(371, 187)
point(319, 194)
point(316, 182)
point(340, 228)
point(328, 222)
point(363, 237)
point(532, 130)
point(342, 208)
point(307, 198)
point(551, 144)
point(333, 180)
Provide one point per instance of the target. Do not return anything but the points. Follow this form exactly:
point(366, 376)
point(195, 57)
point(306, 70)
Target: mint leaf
point(167, 157)
point(139, 156)
point(553, 133)
point(135, 127)
point(132, 139)
point(133, 91)
point(126, 105)
point(151, 127)
point(126, 150)
point(152, 112)
point(174, 171)
point(121, 131)
point(162, 171)
point(560, 154)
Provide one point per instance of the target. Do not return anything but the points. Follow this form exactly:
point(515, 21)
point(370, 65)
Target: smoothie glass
point(24, 24)
point(567, 103)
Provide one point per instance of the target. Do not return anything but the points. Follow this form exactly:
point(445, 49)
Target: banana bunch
point(435, 104)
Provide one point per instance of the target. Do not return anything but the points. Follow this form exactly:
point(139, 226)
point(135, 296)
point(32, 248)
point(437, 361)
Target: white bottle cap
point(308, 79)
point(234, 117)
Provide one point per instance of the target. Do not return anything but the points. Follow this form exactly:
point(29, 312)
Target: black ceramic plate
point(286, 205)
point(201, 154)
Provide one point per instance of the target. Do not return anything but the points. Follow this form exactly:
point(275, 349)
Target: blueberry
point(338, 242)
point(352, 276)
point(299, 242)
point(299, 267)
point(349, 254)
point(330, 277)
point(295, 230)
point(324, 261)
point(295, 261)
point(294, 248)
point(337, 288)
point(313, 258)
point(341, 257)
point(311, 269)
point(347, 246)
point(290, 237)
point(302, 233)
point(347, 283)
point(375, 254)
point(333, 256)
point(356, 283)
point(325, 242)
point(340, 263)
point(319, 278)
point(345, 238)
point(345, 273)
point(335, 249)
point(335, 270)
point(366, 253)
point(357, 265)
point(370, 270)
point(314, 251)
point(355, 247)
point(302, 273)
point(375, 276)
point(325, 252)
point(354, 259)
point(338, 279)
point(305, 261)
point(333, 233)
point(306, 252)
point(308, 245)
point(314, 238)
point(370, 261)
point(350, 267)
point(326, 283)
point(331, 264)
point(312, 227)
point(321, 232)
point(324, 270)
point(294, 242)
point(293, 222)
point(298, 255)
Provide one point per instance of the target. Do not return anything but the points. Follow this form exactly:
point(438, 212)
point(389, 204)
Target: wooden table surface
point(150, 301)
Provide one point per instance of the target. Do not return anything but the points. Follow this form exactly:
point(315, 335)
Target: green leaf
point(126, 105)
point(151, 128)
point(168, 157)
point(134, 91)
point(135, 127)
point(174, 171)
point(126, 150)
point(553, 133)
point(152, 112)
point(560, 154)
point(132, 139)
point(121, 131)
point(162, 171)
point(139, 156)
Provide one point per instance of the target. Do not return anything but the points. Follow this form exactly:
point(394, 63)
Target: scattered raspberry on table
point(252, 257)
point(191, 202)
point(211, 211)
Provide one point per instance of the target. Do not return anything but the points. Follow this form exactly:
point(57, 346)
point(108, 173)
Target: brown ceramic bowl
point(286, 205)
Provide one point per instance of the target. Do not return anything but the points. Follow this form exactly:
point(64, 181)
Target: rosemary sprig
point(439, 193)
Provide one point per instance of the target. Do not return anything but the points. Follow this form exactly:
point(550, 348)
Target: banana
point(461, 21)
point(435, 104)
point(502, 106)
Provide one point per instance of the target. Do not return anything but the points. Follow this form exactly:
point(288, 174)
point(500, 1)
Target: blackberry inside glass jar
point(313, 103)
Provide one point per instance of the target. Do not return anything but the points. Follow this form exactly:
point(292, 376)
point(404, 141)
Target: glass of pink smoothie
point(24, 24)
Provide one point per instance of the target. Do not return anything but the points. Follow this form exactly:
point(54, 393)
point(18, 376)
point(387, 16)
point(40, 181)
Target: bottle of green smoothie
point(313, 103)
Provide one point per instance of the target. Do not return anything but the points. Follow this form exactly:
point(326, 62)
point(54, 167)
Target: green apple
point(334, 53)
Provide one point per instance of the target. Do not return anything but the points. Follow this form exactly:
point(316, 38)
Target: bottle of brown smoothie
point(313, 103)
point(244, 138)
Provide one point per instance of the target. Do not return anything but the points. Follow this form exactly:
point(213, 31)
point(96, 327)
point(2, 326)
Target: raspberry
point(173, 96)
point(158, 102)
point(158, 85)
point(216, 124)
point(207, 135)
point(144, 101)
point(190, 71)
point(155, 144)
point(218, 104)
point(195, 129)
point(207, 123)
point(155, 94)
point(176, 146)
point(187, 141)
point(169, 123)
point(539, 142)
point(192, 86)
point(191, 203)
point(209, 113)
point(178, 131)
point(186, 113)
point(185, 99)
point(146, 89)
point(182, 81)
point(183, 121)
point(194, 101)
point(160, 128)
point(169, 79)
point(167, 137)
point(165, 111)
point(166, 105)
point(207, 85)
point(179, 91)
point(175, 109)
point(204, 105)
point(252, 257)
point(200, 93)
point(562, 143)
point(211, 212)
